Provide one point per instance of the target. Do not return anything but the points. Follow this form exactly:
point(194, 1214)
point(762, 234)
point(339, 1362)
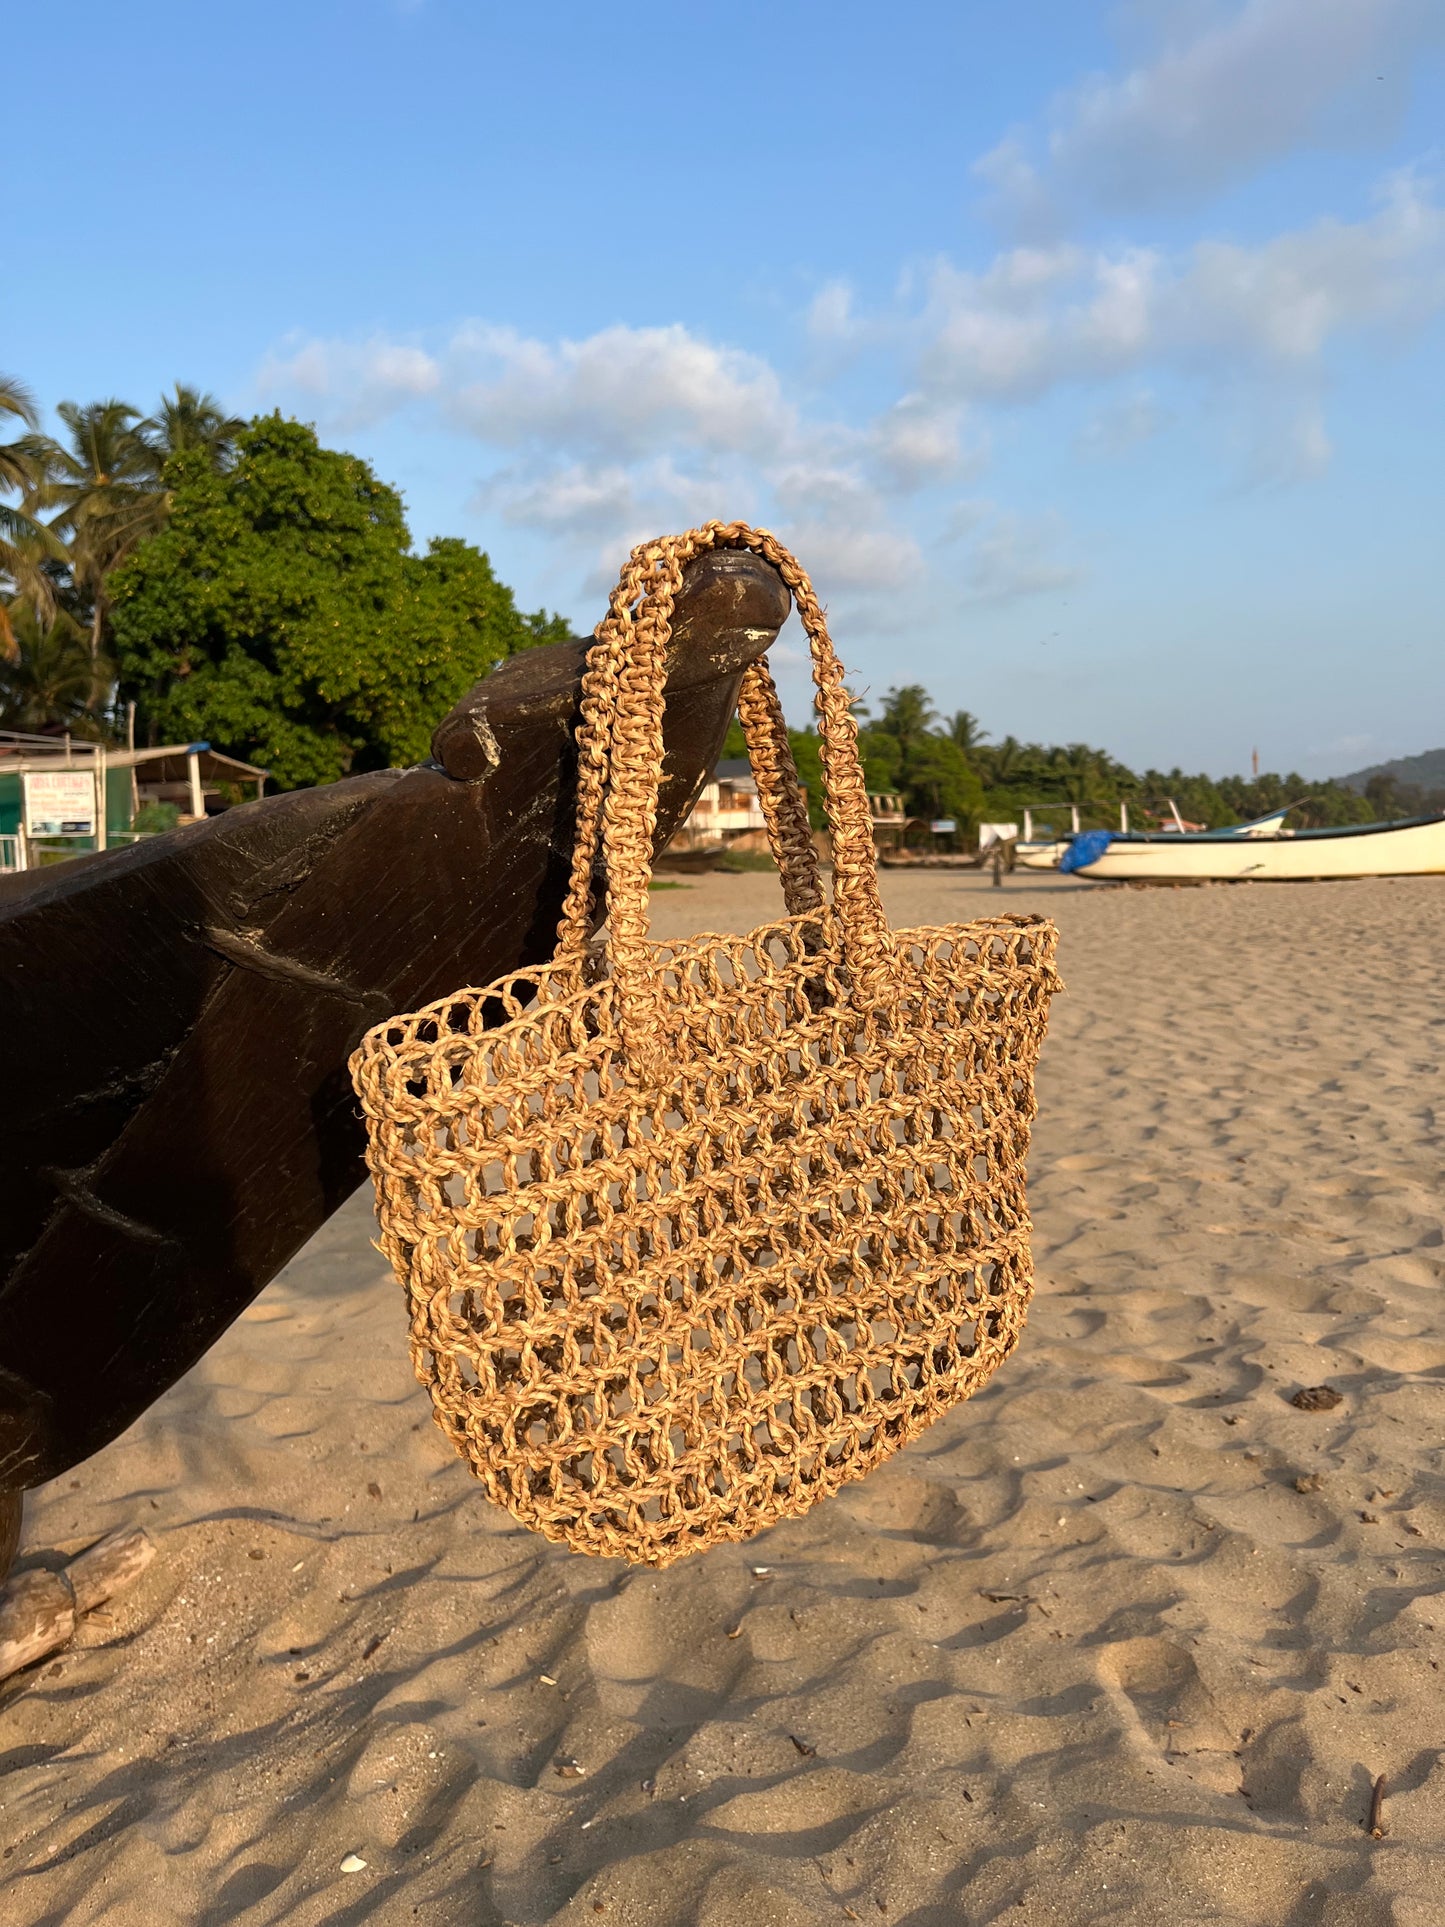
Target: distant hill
point(1426, 771)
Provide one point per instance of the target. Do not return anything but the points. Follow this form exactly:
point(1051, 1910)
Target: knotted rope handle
point(780, 795)
point(784, 806)
point(620, 763)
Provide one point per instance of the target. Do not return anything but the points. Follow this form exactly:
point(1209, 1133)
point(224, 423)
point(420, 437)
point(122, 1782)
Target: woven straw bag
point(694, 1232)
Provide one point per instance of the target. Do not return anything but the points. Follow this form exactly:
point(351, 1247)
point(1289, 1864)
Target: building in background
point(61, 796)
point(727, 812)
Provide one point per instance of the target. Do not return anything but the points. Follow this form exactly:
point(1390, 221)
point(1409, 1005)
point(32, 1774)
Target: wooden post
point(98, 779)
point(193, 771)
point(130, 745)
point(39, 1610)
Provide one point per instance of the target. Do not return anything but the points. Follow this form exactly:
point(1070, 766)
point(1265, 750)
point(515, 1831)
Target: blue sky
point(1091, 356)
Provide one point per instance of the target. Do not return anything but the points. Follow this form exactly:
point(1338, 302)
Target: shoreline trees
point(236, 582)
point(953, 769)
point(281, 615)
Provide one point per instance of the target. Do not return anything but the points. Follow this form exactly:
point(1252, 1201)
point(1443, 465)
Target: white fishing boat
point(1043, 853)
point(1414, 847)
point(1047, 855)
point(1039, 856)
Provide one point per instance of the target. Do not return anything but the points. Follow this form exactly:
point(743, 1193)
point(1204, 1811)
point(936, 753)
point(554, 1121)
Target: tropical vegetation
point(949, 767)
point(281, 608)
point(193, 576)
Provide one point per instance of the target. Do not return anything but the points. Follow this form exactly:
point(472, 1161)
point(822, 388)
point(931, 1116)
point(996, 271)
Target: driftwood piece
point(39, 1610)
point(176, 1017)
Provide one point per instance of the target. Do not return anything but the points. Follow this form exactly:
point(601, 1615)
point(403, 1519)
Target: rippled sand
point(1125, 1639)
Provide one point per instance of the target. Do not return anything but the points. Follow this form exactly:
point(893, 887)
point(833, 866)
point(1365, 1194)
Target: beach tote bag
point(693, 1232)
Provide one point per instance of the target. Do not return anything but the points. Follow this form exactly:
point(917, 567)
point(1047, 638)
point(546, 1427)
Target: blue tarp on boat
point(1087, 847)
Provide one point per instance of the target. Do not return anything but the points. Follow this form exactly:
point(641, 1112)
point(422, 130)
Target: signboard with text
point(59, 802)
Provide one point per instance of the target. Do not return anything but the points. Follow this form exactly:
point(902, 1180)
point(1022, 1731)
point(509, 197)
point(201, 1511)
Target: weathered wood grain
point(39, 1610)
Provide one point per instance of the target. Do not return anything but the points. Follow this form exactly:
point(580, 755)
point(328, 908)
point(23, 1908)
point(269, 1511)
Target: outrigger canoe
point(177, 1016)
point(1413, 847)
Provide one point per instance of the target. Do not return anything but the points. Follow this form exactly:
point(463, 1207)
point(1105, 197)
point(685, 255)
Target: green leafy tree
point(940, 781)
point(1000, 763)
point(16, 465)
point(958, 772)
point(89, 499)
point(807, 757)
point(280, 615)
point(905, 752)
point(882, 755)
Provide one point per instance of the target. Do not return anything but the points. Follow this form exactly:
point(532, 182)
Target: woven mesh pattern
point(664, 1298)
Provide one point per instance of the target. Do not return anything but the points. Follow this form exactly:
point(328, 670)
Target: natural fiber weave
point(692, 1233)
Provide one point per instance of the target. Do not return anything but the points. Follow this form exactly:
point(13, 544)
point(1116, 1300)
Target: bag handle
point(620, 740)
point(780, 795)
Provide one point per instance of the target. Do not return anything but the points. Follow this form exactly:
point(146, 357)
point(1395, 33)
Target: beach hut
point(63, 796)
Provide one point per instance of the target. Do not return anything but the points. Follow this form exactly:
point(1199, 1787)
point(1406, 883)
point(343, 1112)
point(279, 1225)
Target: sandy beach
point(1125, 1639)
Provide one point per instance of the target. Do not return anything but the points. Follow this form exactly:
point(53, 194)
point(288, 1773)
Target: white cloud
point(917, 442)
point(1355, 750)
point(853, 556)
point(604, 508)
point(622, 390)
point(831, 316)
point(1227, 91)
point(1286, 298)
point(1254, 322)
point(1037, 316)
point(839, 523)
point(597, 441)
point(609, 438)
point(353, 383)
point(1123, 423)
point(1280, 436)
point(1258, 319)
point(1005, 556)
point(566, 499)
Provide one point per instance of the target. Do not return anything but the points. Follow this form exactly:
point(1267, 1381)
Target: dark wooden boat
point(177, 1116)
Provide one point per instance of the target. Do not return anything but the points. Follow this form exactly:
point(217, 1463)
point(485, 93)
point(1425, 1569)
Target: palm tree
point(104, 485)
point(51, 680)
point(1085, 774)
point(25, 544)
point(189, 419)
point(966, 731)
point(16, 469)
point(908, 715)
point(1003, 762)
